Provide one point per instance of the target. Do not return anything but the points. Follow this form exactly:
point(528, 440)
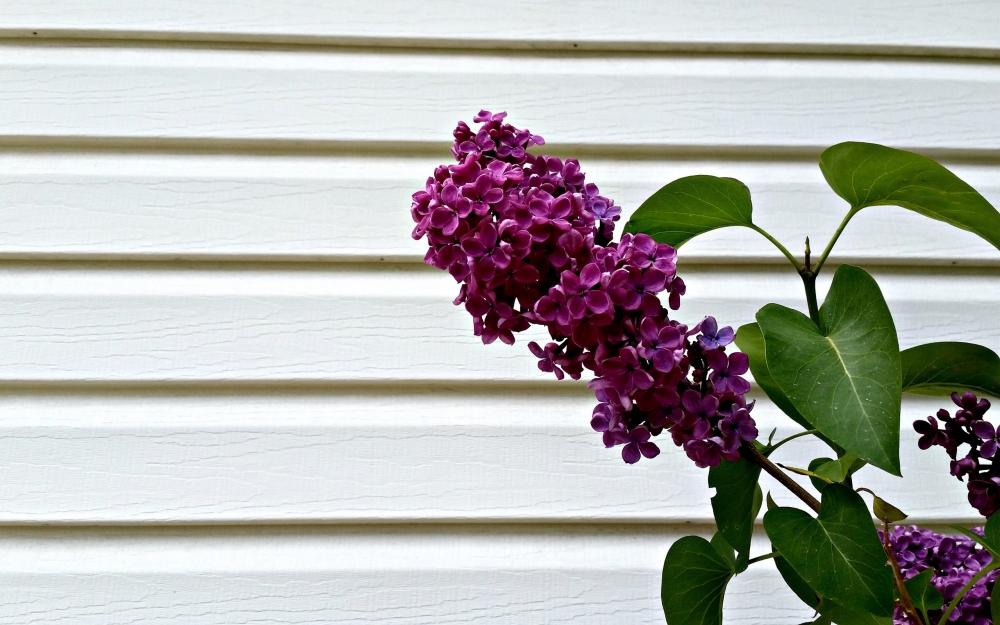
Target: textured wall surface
point(231, 393)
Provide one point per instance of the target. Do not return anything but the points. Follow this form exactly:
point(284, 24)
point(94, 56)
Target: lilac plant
point(531, 243)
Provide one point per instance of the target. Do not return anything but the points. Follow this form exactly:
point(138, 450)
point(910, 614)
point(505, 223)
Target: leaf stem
point(809, 282)
point(753, 455)
point(766, 556)
point(777, 244)
point(791, 438)
point(836, 235)
point(965, 589)
point(897, 574)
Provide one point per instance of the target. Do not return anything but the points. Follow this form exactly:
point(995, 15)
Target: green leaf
point(796, 583)
point(943, 368)
point(924, 595)
point(690, 206)
point(838, 554)
point(991, 532)
point(887, 512)
point(843, 377)
point(995, 604)
point(838, 470)
point(733, 503)
point(814, 464)
point(770, 502)
point(751, 342)
point(866, 174)
point(694, 581)
point(844, 616)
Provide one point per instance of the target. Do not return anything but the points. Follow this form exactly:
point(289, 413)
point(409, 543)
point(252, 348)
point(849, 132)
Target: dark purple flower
point(638, 443)
point(712, 337)
point(726, 371)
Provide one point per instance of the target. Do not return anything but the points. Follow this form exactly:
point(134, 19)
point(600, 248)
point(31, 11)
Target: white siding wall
point(231, 393)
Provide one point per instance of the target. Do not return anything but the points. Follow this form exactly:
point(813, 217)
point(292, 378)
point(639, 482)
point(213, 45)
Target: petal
point(649, 450)
point(691, 401)
point(739, 363)
point(663, 360)
point(983, 429)
point(649, 331)
point(590, 275)
point(599, 302)
point(642, 379)
point(630, 453)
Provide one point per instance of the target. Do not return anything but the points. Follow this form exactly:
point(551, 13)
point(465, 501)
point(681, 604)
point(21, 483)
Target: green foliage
point(844, 616)
point(838, 470)
point(733, 503)
point(843, 377)
point(750, 340)
point(924, 595)
point(691, 206)
point(866, 174)
point(995, 604)
point(695, 574)
point(795, 582)
point(941, 368)
point(838, 554)
point(887, 512)
point(839, 374)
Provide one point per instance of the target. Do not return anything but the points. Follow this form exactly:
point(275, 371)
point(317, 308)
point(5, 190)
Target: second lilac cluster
point(967, 427)
point(529, 240)
point(955, 560)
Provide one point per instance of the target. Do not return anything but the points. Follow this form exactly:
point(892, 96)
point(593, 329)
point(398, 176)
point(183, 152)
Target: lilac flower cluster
point(968, 427)
point(955, 559)
point(529, 240)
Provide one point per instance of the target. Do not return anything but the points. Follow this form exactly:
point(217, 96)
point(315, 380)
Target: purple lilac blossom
point(967, 427)
point(955, 559)
point(529, 240)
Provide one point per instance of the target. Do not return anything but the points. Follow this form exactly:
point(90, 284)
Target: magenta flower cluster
point(529, 240)
point(968, 427)
point(955, 560)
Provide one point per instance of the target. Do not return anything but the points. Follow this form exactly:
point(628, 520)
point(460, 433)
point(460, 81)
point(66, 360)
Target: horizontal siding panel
point(360, 457)
point(559, 576)
point(637, 24)
point(257, 324)
point(355, 208)
point(637, 102)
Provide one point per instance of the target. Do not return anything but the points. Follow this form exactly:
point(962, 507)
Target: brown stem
point(753, 455)
point(904, 596)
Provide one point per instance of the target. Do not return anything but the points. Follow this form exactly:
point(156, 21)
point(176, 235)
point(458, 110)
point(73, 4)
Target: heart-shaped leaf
point(690, 206)
point(922, 593)
point(694, 581)
point(751, 342)
point(844, 616)
point(733, 503)
point(943, 368)
point(796, 583)
point(843, 377)
point(838, 554)
point(866, 174)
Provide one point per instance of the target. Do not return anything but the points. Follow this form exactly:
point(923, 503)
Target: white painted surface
point(142, 206)
point(652, 102)
point(896, 25)
point(228, 383)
